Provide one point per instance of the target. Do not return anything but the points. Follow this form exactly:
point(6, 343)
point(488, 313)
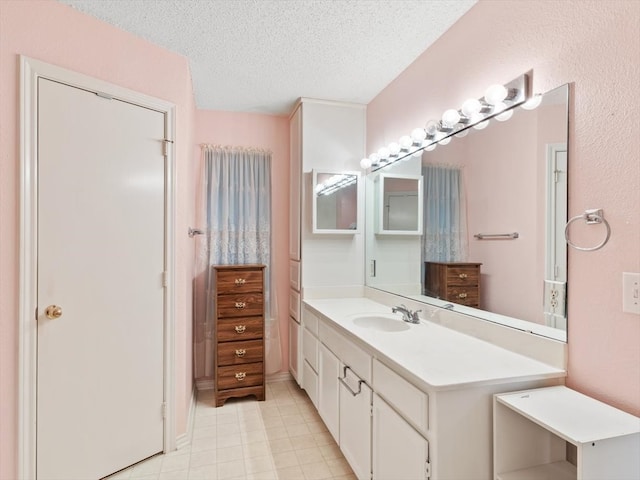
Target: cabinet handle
point(240, 281)
point(240, 328)
point(463, 275)
point(343, 382)
point(462, 295)
point(240, 305)
point(241, 352)
point(241, 376)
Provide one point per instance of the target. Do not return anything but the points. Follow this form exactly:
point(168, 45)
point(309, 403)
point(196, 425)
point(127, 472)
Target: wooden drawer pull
point(241, 376)
point(463, 275)
point(240, 305)
point(240, 281)
point(240, 328)
point(241, 352)
point(462, 295)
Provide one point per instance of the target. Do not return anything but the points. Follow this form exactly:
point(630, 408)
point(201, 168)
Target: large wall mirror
point(495, 198)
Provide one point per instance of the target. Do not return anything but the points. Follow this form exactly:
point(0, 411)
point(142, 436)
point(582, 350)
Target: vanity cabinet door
point(328, 392)
point(399, 451)
point(355, 423)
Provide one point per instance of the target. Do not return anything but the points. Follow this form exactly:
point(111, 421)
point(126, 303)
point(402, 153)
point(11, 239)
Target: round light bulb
point(405, 142)
point(418, 135)
point(431, 147)
point(450, 117)
point(471, 107)
point(533, 102)
point(394, 149)
point(481, 125)
point(495, 94)
point(365, 163)
point(463, 133)
point(504, 116)
point(374, 158)
point(498, 107)
point(383, 153)
point(445, 141)
point(319, 187)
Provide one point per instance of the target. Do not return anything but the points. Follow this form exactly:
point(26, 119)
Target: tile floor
point(282, 438)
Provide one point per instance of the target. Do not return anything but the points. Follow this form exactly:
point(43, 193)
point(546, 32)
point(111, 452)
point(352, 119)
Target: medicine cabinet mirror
point(335, 202)
point(399, 204)
point(513, 179)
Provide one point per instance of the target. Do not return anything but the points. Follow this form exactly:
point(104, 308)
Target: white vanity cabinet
point(355, 422)
point(562, 434)
point(329, 136)
point(310, 355)
point(399, 451)
point(328, 391)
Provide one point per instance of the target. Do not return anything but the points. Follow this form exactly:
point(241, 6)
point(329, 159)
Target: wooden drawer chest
point(457, 282)
point(239, 331)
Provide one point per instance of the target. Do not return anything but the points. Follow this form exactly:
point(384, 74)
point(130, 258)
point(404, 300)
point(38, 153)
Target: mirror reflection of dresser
point(457, 282)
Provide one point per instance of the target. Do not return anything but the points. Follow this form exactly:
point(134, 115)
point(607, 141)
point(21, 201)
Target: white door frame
point(30, 71)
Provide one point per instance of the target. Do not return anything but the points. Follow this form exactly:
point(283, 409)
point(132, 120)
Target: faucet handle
point(414, 316)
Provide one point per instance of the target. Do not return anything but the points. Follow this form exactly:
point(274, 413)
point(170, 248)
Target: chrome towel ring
point(592, 216)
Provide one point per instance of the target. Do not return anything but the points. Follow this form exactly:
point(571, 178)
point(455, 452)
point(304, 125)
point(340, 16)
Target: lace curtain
point(445, 217)
point(237, 213)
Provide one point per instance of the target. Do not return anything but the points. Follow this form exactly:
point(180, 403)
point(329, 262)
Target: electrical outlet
point(631, 292)
point(554, 298)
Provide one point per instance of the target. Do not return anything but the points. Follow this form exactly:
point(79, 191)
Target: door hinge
point(104, 95)
point(164, 409)
point(165, 146)
point(165, 281)
point(427, 469)
point(36, 318)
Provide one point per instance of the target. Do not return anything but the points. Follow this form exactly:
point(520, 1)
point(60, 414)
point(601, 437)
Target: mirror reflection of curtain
point(445, 219)
point(237, 212)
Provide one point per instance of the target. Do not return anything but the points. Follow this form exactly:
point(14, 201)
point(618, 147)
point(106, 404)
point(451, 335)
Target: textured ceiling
point(262, 55)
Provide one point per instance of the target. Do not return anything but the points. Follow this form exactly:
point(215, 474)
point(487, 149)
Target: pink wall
point(57, 34)
point(596, 50)
point(259, 131)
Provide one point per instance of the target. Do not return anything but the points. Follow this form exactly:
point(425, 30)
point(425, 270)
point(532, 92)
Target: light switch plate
point(631, 292)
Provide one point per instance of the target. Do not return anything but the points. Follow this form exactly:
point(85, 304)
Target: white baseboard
point(184, 440)
point(205, 384)
point(279, 377)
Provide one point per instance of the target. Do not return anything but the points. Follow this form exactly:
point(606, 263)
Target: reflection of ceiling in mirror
point(504, 171)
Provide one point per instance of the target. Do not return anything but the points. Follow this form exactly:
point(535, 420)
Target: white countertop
point(440, 357)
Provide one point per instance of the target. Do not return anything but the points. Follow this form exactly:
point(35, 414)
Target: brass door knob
point(53, 312)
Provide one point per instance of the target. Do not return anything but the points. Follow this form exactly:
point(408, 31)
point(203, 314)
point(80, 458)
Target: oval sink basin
point(381, 323)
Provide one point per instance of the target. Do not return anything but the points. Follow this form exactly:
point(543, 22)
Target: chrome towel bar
point(496, 236)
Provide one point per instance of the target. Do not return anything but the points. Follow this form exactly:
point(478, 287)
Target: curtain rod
point(209, 146)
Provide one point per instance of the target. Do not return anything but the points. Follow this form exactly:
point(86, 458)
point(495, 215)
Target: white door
point(101, 190)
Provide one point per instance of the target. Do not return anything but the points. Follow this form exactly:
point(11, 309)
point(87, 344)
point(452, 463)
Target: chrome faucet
point(407, 315)
point(448, 306)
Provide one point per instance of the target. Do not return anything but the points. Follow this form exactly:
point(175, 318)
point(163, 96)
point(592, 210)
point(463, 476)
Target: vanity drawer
point(240, 329)
point(237, 376)
point(237, 353)
point(239, 281)
point(411, 402)
point(294, 304)
point(310, 348)
point(349, 354)
point(240, 305)
point(310, 321)
point(294, 274)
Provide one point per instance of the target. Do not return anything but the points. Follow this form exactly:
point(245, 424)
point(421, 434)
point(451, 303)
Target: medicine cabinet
point(399, 204)
point(335, 202)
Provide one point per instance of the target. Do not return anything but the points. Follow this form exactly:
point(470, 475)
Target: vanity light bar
point(335, 183)
point(498, 102)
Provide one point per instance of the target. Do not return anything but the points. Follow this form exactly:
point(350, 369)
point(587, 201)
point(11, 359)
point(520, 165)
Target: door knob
point(53, 312)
